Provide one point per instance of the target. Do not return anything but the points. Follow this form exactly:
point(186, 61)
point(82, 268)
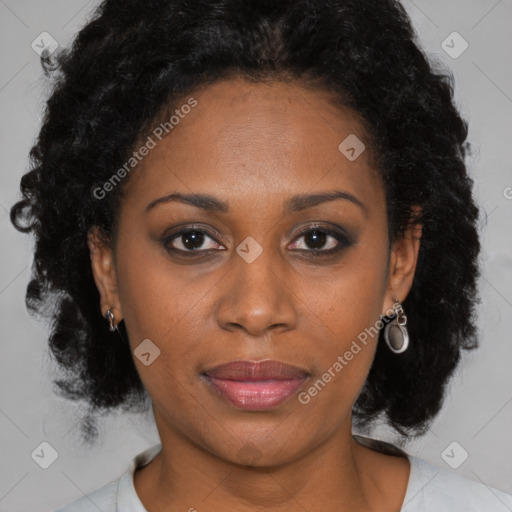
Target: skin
point(254, 146)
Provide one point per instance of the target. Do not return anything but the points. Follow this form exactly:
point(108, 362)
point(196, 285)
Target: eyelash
point(343, 241)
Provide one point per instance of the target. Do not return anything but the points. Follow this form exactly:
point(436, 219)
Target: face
point(267, 267)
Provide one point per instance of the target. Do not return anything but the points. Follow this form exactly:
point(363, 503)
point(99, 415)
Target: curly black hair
point(134, 59)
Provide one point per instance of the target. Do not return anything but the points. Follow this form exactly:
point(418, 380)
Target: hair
point(134, 59)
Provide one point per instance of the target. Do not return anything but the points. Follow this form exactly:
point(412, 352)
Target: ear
point(104, 272)
point(402, 262)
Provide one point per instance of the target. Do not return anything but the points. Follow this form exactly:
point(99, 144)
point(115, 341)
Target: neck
point(339, 474)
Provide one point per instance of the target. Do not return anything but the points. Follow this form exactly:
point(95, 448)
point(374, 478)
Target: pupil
point(316, 237)
point(193, 239)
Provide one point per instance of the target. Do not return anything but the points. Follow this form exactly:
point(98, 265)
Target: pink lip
point(256, 386)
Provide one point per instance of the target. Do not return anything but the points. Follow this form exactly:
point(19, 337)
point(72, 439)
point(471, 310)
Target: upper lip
point(256, 370)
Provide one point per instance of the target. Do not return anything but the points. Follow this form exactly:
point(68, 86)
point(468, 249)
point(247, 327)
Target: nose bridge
point(257, 296)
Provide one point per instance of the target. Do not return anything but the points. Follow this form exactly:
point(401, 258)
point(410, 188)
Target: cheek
point(348, 298)
point(160, 306)
point(347, 308)
point(160, 302)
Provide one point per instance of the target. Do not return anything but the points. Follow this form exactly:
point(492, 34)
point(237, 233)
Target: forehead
point(253, 140)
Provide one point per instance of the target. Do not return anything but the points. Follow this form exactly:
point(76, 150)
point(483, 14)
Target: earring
point(110, 317)
point(395, 332)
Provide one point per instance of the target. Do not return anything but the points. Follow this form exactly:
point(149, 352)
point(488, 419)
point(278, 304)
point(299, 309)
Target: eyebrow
point(294, 204)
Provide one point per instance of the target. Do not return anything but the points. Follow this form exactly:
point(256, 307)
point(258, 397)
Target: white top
point(430, 489)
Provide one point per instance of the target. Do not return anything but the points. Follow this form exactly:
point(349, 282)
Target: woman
point(257, 216)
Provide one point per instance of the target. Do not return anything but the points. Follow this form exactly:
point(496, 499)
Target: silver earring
point(110, 317)
point(395, 332)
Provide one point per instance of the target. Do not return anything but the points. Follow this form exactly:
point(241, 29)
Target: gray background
point(477, 413)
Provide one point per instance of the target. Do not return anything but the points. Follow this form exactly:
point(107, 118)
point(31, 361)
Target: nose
point(257, 298)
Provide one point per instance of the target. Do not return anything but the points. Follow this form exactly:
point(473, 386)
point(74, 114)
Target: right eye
point(191, 240)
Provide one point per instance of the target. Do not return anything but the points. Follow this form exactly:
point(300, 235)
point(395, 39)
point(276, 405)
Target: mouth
point(255, 385)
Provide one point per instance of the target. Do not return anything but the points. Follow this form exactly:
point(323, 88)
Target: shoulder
point(117, 495)
point(103, 499)
point(434, 489)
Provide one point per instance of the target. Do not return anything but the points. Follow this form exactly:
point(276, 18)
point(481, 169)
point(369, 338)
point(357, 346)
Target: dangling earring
point(395, 332)
point(110, 317)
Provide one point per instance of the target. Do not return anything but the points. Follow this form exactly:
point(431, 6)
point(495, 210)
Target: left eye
point(320, 240)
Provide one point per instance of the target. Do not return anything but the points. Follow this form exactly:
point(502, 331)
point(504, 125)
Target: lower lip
point(255, 395)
